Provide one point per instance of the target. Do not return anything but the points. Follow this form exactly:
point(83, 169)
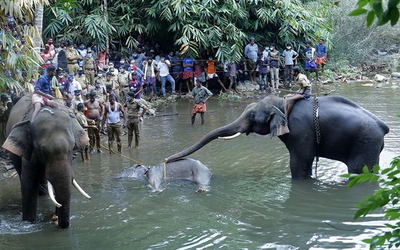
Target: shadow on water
point(253, 203)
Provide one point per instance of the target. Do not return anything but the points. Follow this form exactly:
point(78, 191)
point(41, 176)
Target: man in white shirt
point(73, 84)
point(163, 71)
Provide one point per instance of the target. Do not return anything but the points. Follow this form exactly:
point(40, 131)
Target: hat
point(70, 43)
point(109, 87)
point(131, 93)
point(196, 79)
point(80, 69)
point(92, 94)
point(70, 75)
point(252, 38)
point(108, 74)
point(78, 92)
point(63, 42)
point(97, 85)
point(134, 67)
point(105, 68)
point(151, 51)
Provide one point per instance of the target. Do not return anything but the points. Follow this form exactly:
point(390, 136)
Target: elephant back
point(23, 109)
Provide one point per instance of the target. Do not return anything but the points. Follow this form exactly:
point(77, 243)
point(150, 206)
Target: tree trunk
point(39, 25)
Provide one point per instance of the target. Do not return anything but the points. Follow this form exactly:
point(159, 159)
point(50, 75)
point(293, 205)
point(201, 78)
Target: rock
point(380, 78)
point(395, 74)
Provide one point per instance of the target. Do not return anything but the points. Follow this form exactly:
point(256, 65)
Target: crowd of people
point(105, 87)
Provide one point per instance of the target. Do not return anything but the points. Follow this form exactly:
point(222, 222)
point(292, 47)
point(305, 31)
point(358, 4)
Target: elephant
point(346, 131)
point(185, 169)
point(41, 152)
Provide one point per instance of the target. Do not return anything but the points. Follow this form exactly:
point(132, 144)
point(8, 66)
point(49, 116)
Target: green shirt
point(200, 94)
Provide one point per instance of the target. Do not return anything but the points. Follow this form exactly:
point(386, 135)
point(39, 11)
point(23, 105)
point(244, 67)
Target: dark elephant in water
point(41, 152)
point(348, 133)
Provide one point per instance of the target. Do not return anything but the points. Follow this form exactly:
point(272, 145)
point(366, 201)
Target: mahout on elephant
point(332, 127)
point(41, 152)
point(183, 169)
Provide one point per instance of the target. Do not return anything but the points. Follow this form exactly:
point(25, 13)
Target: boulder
point(380, 78)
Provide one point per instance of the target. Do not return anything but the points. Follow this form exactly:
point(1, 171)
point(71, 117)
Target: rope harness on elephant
point(317, 130)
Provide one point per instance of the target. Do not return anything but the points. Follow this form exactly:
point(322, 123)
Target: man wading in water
point(200, 95)
point(95, 115)
point(112, 110)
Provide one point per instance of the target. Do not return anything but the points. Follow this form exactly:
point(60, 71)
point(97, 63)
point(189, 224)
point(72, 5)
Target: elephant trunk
point(231, 130)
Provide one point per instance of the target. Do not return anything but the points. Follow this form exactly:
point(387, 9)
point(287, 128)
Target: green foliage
point(374, 9)
point(386, 197)
point(353, 42)
point(208, 26)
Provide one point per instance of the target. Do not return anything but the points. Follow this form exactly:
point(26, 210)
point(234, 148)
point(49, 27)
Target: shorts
point(307, 94)
point(150, 81)
point(320, 61)
point(39, 98)
point(199, 108)
point(310, 65)
point(211, 76)
point(187, 74)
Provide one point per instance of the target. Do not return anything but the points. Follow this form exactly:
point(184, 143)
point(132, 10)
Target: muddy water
point(253, 203)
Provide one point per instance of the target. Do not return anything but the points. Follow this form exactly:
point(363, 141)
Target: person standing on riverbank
point(200, 95)
point(321, 54)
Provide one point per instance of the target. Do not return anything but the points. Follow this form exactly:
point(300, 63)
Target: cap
point(63, 42)
point(134, 67)
point(97, 85)
point(131, 93)
point(105, 67)
point(80, 106)
point(108, 74)
point(70, 43)
point(151, 51)
point(77, 92)
point(109, 87)
point(196, 79)
point(70, 75)
point(252, 38)
point(92, 94)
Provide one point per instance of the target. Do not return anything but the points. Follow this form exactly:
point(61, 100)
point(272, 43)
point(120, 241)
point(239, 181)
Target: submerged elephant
point(42, 151)
point(184, 169)
point(348, 133)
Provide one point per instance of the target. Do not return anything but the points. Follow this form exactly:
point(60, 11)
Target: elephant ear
point(19, 140)
point(278, 124)
point(80, 135)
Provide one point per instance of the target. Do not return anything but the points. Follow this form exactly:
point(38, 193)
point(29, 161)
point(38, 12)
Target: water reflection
point(253, 203)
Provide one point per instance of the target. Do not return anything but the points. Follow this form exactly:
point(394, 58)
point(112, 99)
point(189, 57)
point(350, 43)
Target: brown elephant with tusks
point(41, 152)
point(348, 133)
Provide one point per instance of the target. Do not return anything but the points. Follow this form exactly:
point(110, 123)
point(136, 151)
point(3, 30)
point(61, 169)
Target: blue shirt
point(321, 50)
point(188, 60)
point(43, 84)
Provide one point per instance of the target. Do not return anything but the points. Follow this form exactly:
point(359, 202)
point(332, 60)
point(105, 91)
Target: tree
point(18, 59)
point(374, 9)
point(207, 26)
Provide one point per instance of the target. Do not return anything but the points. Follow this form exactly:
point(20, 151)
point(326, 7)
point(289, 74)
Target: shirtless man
point(95, 115)
point(112, 111)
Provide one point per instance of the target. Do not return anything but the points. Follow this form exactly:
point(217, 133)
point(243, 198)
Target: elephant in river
point(41, 152)
point(347, 132)
point(184, 169)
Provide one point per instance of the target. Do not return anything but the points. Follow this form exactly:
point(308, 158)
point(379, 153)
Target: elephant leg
point(29, 190)
point(301, 163)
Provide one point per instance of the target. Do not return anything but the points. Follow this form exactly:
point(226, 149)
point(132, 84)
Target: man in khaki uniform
point(134, 109)
point(123, 81)
point(90, 67)
point(81, 78)
point(72, 58)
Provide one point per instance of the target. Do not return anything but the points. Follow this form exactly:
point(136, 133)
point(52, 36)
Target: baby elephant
point(185, 169)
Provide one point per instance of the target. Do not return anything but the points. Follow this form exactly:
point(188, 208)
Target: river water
point(252, 204)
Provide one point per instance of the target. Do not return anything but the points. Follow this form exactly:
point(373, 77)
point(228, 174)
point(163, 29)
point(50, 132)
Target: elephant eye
point(252, 115)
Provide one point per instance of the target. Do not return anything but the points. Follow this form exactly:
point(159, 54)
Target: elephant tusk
point(52, 196)
point(230, 137)
point(76, 185)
